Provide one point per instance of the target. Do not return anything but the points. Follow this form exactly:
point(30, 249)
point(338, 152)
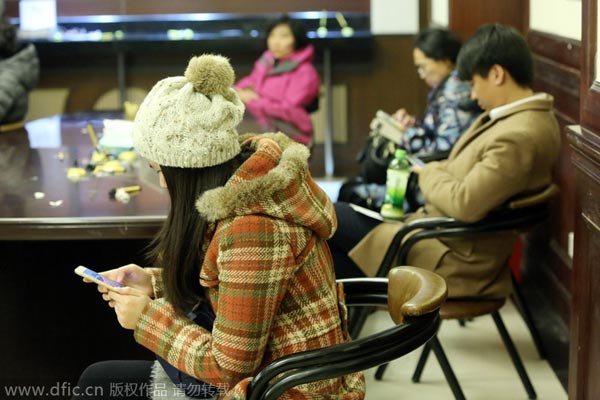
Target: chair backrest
point(46, 102)
point(313, 106)
point(110, 100)
point(413, 296)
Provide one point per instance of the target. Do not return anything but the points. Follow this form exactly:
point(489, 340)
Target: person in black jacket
point(19, 74)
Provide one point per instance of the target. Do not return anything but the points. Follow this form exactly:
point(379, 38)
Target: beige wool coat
point(494, 161)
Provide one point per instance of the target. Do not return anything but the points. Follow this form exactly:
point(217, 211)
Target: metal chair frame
point(519, 219)
point(356, 355)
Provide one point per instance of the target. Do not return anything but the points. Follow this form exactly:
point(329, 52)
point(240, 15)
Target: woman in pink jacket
point(283, 82)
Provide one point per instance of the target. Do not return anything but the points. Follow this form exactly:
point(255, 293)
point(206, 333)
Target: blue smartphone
point(97, 278)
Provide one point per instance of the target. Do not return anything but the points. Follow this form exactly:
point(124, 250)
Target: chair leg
point(421, 364)
point(418, 370)
point(514, 355)
point(517, 298)
point(436, 346)
point(380, 371)
point(357, 319)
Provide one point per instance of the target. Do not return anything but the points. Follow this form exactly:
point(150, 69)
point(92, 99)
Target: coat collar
point(539, 102)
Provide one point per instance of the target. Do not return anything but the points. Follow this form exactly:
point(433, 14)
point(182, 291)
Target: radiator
point(340, 116)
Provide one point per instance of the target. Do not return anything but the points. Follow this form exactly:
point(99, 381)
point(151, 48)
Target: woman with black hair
point(449, 107)
point(243, 275)
point(284, 82)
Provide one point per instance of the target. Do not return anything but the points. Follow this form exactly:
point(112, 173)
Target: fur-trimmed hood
point(274, 181)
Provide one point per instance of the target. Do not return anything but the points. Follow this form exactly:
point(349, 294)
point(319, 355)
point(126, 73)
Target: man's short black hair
point(496, 44)
point(297, 28)
point(438, 44)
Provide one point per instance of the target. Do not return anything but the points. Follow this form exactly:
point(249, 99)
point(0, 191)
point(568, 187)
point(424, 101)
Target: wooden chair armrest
point(413, 292)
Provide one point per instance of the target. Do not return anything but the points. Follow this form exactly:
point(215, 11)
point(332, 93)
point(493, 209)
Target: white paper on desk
point(44, 133)
point(367, 212)
point(117, 133)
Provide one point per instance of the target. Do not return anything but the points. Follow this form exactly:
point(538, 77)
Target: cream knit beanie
point(189, 121)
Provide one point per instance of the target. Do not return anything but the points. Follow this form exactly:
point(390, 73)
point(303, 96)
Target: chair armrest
point(413, 292)
point(361, 354)
point(392, 251)
point(358, 292)
point(501, 220)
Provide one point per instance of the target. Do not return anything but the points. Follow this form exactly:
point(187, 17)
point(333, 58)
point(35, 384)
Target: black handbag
point(375, 157)
point(361, 193)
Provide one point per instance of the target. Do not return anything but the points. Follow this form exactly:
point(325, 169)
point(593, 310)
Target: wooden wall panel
point(465, 16)
point(557, 72)
point(585, 140)
point(585, 323)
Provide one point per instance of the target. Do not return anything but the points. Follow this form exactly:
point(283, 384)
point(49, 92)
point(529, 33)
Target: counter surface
point(34, 162)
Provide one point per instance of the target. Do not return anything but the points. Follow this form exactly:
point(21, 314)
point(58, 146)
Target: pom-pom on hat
point(189, 121)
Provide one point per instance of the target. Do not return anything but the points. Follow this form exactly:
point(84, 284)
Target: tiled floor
point(478, 358)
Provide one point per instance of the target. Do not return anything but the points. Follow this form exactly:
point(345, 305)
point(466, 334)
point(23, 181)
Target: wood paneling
point(585, 322)
point(465, 16)
point(557, 72)
point(585, 140)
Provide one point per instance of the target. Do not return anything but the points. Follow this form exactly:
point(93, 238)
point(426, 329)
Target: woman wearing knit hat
point(246, 274)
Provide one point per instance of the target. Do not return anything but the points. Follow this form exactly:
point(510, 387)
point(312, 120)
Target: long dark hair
point(178, 247)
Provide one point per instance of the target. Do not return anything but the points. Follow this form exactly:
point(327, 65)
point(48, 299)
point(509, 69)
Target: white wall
point(558, 17)
point(439, 13)
point(392, 17)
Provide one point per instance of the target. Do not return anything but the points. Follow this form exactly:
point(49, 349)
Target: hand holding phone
point(97, 278)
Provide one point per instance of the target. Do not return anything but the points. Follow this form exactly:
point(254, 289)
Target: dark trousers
point(122, 379)
point(352, 227)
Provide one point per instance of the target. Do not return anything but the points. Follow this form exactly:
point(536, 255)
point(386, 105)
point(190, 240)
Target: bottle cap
point(400, 154)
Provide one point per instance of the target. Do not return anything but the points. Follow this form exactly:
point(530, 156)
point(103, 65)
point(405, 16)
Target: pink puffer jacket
point(285, 88)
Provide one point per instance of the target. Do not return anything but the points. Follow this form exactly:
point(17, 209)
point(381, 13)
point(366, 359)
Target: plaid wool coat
point(268, 274)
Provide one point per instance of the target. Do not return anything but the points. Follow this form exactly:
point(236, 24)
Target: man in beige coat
point(509, 151)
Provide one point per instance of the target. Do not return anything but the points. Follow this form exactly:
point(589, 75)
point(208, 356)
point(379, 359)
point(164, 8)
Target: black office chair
point(521, 215)
point(413, 297)
point(313, 106)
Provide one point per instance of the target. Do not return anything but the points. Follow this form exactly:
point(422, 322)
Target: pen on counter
point(92, 134)
point(125, 189)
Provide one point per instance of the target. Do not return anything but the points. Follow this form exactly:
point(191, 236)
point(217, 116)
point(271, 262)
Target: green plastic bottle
point(395, 186)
